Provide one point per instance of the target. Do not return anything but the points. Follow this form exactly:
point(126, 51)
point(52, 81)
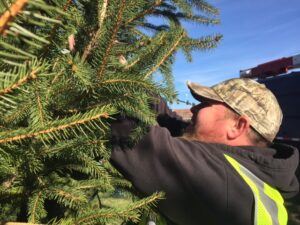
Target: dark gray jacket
point(201, 186)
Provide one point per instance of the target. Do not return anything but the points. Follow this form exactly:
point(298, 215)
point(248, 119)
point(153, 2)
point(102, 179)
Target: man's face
point(210, 122)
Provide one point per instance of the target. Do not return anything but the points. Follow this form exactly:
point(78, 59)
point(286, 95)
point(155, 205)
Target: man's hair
point(255, 138)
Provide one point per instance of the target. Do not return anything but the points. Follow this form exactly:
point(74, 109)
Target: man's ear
point(239, 127)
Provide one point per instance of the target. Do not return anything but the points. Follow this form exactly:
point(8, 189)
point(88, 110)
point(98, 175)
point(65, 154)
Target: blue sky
point(255, 32)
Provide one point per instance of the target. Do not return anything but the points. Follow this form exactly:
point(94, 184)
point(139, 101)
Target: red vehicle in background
point(286, 87)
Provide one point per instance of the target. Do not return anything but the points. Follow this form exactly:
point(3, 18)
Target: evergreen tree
point(66, 69)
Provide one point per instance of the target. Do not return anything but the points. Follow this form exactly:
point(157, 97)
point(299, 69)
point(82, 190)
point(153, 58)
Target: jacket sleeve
point(190, 173)
point(167, 118)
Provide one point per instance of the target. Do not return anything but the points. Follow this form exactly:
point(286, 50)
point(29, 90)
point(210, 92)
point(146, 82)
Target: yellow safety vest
point(269, 204)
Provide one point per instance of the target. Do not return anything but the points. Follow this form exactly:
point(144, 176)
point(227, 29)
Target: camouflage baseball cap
point(246, 97)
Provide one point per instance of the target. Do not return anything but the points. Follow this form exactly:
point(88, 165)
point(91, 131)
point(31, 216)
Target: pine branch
point(13, 56)
point(90, 46)
point(111, 170)
point(151, 200)
point(106, 214)
point(55, 126)
point(121, 183)
point(155, 28)
point(31, 76)
point(22, 31)
point(131, 212)
point(112, 40)
point(124, 81)
point(11, 13)
point(166, 72)
point(15, 115)
point(92, 147)
point(204, 42)
point(94, 184)
point(97, 34)
point(36, 209)
point(40, 109)
point(12, 192)
point(54, 29)
point(176, 17)
point(183, 5)
point(14, 80)
point(146, 11)
point(94, 168)
point(70, 198)
point(39, 102)
point(173, 48)
point(102, 13)
point(205, 6)
point(138, 59)
point(16, 50)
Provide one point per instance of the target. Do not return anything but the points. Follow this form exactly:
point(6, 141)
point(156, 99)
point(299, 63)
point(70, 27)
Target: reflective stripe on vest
point(269, 204)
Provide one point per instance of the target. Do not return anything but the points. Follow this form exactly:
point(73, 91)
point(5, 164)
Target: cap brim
point(201, 93)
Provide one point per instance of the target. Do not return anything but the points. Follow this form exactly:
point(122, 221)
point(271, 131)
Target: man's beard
point(190, 134)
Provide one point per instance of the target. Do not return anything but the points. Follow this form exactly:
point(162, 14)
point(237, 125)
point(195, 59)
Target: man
point(225, 169)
